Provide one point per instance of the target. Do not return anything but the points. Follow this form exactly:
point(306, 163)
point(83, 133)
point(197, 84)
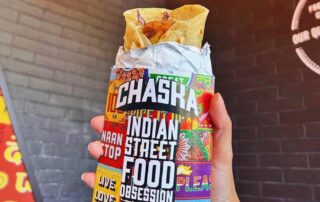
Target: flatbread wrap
point(148, 26)
point(157, 137)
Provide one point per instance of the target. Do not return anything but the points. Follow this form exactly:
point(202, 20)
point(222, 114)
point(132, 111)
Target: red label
point(14, 183)
point(113, 144)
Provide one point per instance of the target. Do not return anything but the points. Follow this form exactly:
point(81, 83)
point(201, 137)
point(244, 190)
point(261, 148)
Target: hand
point(223, 188)
point(223, 185)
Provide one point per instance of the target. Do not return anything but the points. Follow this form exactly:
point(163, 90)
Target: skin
point(223, 185)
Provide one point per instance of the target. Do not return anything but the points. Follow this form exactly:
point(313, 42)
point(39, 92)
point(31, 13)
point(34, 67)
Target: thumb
point(222, 138)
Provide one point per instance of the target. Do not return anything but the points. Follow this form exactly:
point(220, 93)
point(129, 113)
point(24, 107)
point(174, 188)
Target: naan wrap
point(148, 26)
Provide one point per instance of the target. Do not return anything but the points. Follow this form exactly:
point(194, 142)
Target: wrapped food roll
point(157, 137)
point(148, 26)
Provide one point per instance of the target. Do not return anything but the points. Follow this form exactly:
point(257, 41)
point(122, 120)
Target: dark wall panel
point(272, 96)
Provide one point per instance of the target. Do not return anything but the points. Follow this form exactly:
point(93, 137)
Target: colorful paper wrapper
point(157, 137)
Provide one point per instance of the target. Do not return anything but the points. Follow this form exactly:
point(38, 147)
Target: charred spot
point(154, 30)
point(149, 31)
point(138, 44)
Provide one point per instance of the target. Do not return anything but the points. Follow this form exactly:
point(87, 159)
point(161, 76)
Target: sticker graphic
point(306, 33)
point(156, 139)
point(14, 183)
point(193, 185)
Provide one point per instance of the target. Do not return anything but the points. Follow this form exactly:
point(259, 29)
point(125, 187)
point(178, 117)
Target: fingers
point(97, 123)
point(89, 179)
point(95, 149)
point(222, 139)
point(218, 113)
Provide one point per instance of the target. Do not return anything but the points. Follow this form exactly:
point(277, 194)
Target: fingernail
point(82, 176)
point(93, 120)
point(218, 97)
point(90, 145)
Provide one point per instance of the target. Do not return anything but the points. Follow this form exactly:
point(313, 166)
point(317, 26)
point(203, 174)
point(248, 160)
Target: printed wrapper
point(14, 182)
point(157, 137)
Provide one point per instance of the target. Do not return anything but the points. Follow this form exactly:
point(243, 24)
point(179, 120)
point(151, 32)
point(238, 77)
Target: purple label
point(193, 180)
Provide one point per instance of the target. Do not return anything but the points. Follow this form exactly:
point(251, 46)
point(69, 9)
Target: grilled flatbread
point(148, 26)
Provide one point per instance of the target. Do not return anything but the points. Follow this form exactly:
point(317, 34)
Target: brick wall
point(272, 96)
point(57, 55)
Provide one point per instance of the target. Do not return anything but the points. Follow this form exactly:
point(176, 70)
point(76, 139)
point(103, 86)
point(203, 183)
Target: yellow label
point(111, 113)
point(107, 185)
point(22, 183)
point(4, 179)
point(4, 116)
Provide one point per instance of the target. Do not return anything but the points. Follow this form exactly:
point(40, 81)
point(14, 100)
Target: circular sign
point(306, 33)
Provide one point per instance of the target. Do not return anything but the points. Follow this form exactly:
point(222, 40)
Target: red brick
point(266, 57)
point(62, 20)
point(283, 131)
point(292, 63)
point(282, 12)
point(313, 129)
point(226, 43)
point(8, 14)
point(283, 104)
point(282, 40)
point(25, 8)
point(312, 101)
point(245, 160)
point(248, 188)
point(35, 46)
point(314, 160)
point(247, 198)
point(224, 55)
point(283, 160)
point(260, 174)
point(297, 200)
point(99, 33)
point(299, 88)
point(302, 176)
point(266, 146)
point(83, 17)
point(234, 64)
point(235, 146)
point(265, 119)
point(301, 145)
point(98, 4)
point(243, 19)
point(72, 4)
point(244, 133)
point(317, 193)
point(254, 48)
point(227, 20)
point(280, 78)
point(238, 85)
point(257, 94)
point(228, 97)
point(262, 9)
point(308, 74)
point(287, 191)
point(272, 32)
point(242, 37)
point(242, 108)
point(243, 84)
point(267, 68)
point(301, 116)
point(226, 74)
